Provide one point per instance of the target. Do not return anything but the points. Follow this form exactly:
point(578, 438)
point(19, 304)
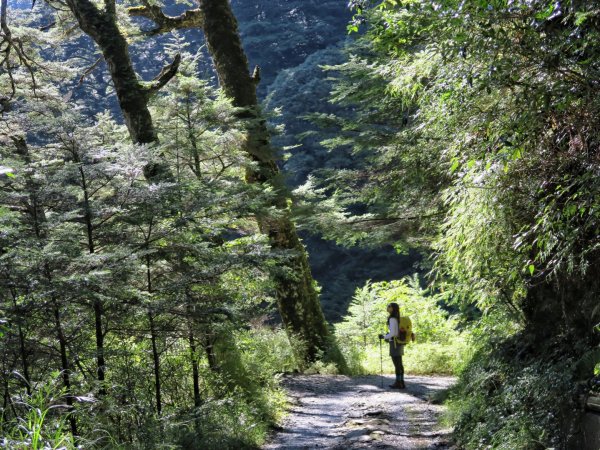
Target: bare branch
point(12, 44)
point(256, 75)
point(389, 220)
point(48, 26)
point(165, 75)
point(89, 70)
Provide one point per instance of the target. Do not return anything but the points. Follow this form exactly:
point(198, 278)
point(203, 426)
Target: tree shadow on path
point(354, 413)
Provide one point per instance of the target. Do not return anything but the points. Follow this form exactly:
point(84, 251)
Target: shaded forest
point(196, 199)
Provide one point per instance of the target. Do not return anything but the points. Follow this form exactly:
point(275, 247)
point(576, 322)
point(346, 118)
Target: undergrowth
point(241, 399)
point(508, 398)
point(440, 348)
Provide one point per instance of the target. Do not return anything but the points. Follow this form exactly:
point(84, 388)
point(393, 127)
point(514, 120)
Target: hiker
point(400, 331)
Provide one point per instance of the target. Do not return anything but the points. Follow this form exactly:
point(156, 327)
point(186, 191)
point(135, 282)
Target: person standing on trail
point(399, 333)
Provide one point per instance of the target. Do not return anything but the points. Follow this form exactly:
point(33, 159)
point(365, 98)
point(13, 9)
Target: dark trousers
point(397, 360)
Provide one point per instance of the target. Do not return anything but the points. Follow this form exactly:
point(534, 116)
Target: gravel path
point(338, 412)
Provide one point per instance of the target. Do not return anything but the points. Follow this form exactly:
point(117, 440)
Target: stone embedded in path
point(366, 423)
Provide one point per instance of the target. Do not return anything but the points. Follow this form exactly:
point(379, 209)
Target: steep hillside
point(291, 40)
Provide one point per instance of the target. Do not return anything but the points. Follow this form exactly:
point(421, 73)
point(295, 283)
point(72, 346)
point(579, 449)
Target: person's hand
point(381, 336)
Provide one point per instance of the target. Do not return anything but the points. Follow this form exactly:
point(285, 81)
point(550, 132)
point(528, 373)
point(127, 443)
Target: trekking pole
point(381, 361)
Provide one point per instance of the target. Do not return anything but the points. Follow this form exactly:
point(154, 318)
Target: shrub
point(440, 347)
point(246, 396)
point(504, 401)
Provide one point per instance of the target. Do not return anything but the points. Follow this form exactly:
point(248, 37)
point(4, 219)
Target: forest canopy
point(148, 237)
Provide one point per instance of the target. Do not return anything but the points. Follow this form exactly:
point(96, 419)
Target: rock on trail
point(338, 412)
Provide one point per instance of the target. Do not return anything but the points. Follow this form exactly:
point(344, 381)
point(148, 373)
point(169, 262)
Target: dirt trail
point(337, 412)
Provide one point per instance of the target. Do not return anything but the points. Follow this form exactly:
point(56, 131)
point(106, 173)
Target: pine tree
point(297, 295)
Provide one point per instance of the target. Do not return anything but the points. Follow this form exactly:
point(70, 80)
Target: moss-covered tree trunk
point(297, 297)
point(298, 300)
point(133, 94)
point(102, 27)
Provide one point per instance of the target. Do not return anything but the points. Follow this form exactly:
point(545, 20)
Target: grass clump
point(40, 424)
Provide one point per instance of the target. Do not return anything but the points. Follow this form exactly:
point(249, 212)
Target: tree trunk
point(97, 304)
point(297, 297)
point(22, 347)
point(100, 361)
point(133, 95)
point(209, 349)
point(153, 334)
point(195, 372)
point(65, 370)
point(102, 27)
point(156, 362)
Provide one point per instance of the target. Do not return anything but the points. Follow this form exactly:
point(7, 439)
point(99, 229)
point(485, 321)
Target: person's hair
point(395, 312)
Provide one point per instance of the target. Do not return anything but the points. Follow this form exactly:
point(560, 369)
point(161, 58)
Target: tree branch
point(12, 44)
point(192, 18)
point(256, 75)
point(165, 75)
point(390, 220)
point(89, 70)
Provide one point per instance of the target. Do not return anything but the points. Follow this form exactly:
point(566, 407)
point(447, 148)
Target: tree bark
point(195, 371)
point(22, 346)
point(209, 349)
point(297, 298)
point(97, 304)
point(156, 362)
point(133, 94)
point(65, 369)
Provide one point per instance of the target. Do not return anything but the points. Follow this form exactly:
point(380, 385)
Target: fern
point(587, 365)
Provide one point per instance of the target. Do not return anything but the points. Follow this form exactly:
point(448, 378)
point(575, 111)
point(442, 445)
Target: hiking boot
point(397, 385)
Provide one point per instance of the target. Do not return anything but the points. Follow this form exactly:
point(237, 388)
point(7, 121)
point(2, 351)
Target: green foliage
point(367, 315)
point(506, 402)
point(440, 347)
point(588, 363)
point(297, 94)
point(226, 423)
point(139, 293)
point(456, 118)
point(40, 425)
point(475, 136)
point(241, 398)
point(266, 352)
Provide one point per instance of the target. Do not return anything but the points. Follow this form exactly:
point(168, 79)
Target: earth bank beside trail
point(339, 412)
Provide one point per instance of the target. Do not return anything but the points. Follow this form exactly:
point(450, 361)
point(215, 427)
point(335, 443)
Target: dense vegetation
point(475, 135)
point(127, 299)
point(134, 276)
point(146, 238)
point(440, 348)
